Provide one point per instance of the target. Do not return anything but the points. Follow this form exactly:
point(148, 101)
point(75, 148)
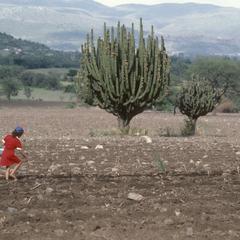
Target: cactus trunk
point(123, 124)
point(190, 127)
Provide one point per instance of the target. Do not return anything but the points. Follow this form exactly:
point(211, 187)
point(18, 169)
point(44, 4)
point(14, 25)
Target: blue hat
point(19, 130)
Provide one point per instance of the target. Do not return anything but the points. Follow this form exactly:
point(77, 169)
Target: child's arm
point(22, 152)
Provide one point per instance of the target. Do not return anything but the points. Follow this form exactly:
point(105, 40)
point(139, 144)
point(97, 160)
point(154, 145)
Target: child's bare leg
point(7, 173)
point(13, 176)
point(12, 173)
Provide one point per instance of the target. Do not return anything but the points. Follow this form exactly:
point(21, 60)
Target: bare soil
point(69, 189)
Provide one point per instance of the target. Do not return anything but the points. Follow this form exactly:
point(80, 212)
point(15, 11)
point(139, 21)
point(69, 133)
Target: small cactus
point(197, 98)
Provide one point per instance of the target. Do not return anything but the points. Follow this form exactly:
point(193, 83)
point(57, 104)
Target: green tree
point(28, 92)
point(10, 87)
point(179, 67)
point(197, 98)
point(72, 73)
point(41, 80)
point(9, 71)
point(28, 79)
point(125, 78)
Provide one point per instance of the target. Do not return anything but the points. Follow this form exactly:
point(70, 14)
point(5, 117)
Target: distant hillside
point(33, 55)
point(167, 10)
point(189, 28)
point(9, 43)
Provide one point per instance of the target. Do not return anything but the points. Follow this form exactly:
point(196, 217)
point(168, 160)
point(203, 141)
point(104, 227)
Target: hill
point(189, 28)
point(33, 55)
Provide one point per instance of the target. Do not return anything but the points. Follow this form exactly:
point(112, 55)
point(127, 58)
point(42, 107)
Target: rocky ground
point(84, 181)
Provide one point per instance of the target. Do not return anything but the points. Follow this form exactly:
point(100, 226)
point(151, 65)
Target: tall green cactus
point(82, 86)
point(126, 78)
point(197, 98)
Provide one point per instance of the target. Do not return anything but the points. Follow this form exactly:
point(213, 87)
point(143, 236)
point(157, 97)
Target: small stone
point(49, 190)
point(114, 169)
point(233, 233)
point(84, 147)
point(156, 206)
point(31, 215)
point(198, 163)
point(147, 139)
point(90, 162)
point(163, 209)
point(40, 197)
point(168, 221)
point(99, 147)
point(12, 210)
point(72, 164)
point(76, 170)
point(54, 167)
point(177, 212)
point(205, 156)
point(237, 153)
point(189, 231)
point(2, 220)
point(204, 217)
point(135, 196)
point(59, 232)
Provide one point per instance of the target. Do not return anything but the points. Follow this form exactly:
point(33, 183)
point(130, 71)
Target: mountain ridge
point(188, 28)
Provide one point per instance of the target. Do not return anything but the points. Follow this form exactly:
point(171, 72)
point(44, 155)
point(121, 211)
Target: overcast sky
point(230, 3)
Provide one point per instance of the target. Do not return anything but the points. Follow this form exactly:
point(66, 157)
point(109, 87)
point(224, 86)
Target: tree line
point(14, 78)
point(18, 57)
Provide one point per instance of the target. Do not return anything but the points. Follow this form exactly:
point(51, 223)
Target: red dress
point(8, 157)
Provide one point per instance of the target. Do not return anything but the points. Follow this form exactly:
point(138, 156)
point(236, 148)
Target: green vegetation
point(8, 71)
point(197, 98)
point(27, 82)
point(10, 87)
point(48, 81)
point(26, 65)
point(41, 94)
point(125, 78)
point(222, 72)
point(83, 86)
point(28, 92)
point(28, 68)
point(159, 163)
point(33, 55)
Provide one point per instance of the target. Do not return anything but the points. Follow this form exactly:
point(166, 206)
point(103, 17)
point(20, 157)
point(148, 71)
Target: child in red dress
point(8, 158)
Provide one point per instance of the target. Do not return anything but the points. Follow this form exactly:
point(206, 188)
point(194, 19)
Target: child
point(8, 158)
